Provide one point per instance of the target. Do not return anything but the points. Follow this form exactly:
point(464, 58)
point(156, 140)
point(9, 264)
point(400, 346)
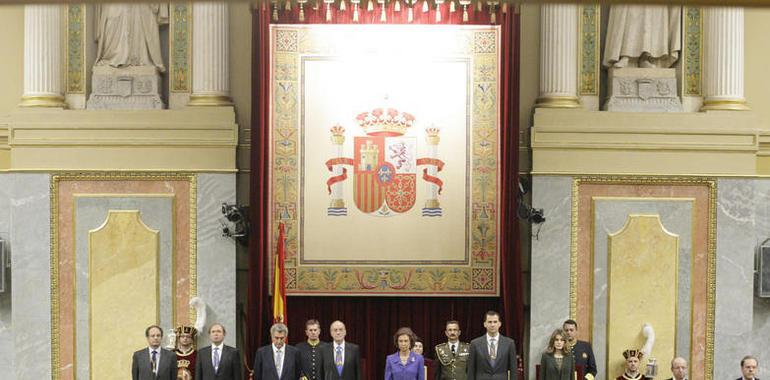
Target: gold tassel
point(410, 16)
point(275, 11)
point(425, 7)
point(452, 8)
point(505, 8)
point(383, 16)
point(288, 6)
point(479, 6)
point(370, 6)
point(301, 12)
point(439, 3)
point(355, 12)
point(493, 17)
point(465, 13)
point(328, 12)
point(342, 6)
point(397, 6)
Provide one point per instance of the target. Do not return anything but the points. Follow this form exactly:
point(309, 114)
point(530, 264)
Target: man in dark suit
point(277, 361)
point(341, 360)
point(218, 361)
point(310, 351)
point(678, 369)
point(492, 356)
point(581, 350)
point(749, 368)
point(153, 362)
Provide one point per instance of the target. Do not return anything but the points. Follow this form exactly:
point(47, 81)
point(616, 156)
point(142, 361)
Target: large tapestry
point(384, 158)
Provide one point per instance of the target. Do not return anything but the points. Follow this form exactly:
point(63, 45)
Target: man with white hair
point(278, 360)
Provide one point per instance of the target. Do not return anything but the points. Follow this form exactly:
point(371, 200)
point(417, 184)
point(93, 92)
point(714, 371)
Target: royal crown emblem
point(385, 165)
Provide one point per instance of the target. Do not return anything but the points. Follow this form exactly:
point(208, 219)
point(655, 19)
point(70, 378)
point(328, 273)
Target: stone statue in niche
point(126, 73)
point(646, 36)
point(643, 43)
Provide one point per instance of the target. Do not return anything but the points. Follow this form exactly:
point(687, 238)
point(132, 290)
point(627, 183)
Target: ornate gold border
point(711, 182)
point(180, 56)
point(75, 53)
point(692, 69)
point(589, 32)
point(54, 216)
point(481, 277)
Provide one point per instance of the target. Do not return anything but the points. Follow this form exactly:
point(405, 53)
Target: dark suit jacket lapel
point(502, 346)
point(270, 358)
point(345, 360)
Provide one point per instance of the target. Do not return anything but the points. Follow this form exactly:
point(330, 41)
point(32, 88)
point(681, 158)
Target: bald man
point(678, 369)
point(341, 359)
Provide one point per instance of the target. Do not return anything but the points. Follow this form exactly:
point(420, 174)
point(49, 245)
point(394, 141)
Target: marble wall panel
point(743, 222)
point(31, 305)
point(216, 254)
point(6, 331)
point(90, 214)
point(550, 262)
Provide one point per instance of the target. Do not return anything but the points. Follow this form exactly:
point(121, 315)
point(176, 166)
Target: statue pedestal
point(642, 90)
point(133, 87)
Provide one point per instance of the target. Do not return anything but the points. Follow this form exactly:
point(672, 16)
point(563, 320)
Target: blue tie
point(338, 360)
point(154, 362)
point(216, 359)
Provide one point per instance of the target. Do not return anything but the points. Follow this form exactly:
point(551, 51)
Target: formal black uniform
point(310, 356)
point(584, 356)
point(453, 365)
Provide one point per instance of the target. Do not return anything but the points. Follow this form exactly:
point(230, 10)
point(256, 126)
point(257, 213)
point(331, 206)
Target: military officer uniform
point(584, 356)
point(452, 363)
point(310, 357)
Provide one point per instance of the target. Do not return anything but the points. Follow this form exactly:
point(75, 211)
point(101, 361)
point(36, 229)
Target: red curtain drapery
point(371, 321)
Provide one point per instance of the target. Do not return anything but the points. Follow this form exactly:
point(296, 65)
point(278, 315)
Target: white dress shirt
point(283, 356)
point(219, 351)
point(497, 342)
point(157, 357)
point(334, 353)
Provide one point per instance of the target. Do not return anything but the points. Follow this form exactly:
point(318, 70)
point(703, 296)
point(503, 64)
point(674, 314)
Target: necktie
point(338, 360)
point(216, 359)
point(154, 362)
point(278, 362)
point(453, 348)
point(492, 349)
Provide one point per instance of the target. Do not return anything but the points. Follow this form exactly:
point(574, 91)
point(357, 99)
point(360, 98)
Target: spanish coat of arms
point(385, 166)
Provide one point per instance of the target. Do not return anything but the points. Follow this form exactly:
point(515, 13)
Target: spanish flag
point(279, 278)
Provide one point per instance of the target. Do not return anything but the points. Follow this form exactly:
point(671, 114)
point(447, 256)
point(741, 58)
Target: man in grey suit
point(341, 359)
point(153, 362)
point(218, 361)
point(492, 356)
point(277, 361)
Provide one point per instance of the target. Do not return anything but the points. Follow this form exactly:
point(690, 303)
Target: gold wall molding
point(202, 139)
point(97, 183)
point(580, 141)
point(665, 188)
